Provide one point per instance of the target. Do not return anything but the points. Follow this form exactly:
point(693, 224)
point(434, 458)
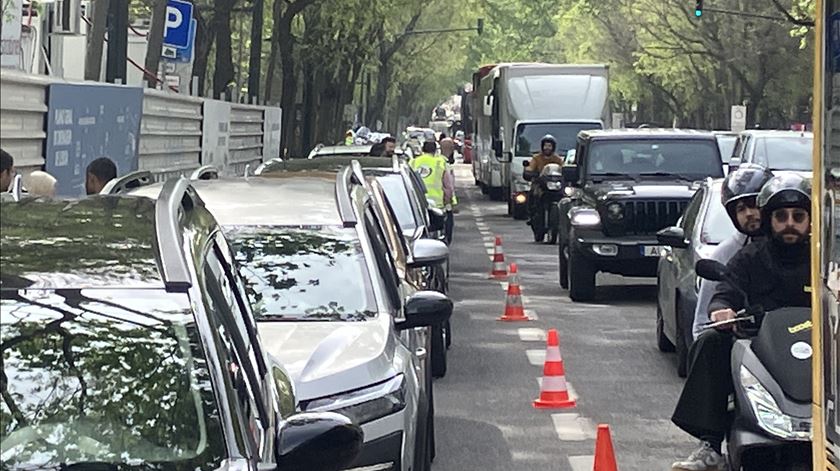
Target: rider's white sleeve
point(722, 253)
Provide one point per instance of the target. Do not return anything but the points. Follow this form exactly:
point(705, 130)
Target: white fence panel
point(170, 134)
point(23, 108)
point(246, 137)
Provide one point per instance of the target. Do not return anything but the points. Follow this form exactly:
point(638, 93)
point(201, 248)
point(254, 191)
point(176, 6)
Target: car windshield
point(717, 226)
point(105, 377)
point(726, 144)
point(784, 153)
point(312, 273)
point(397, 195)
point(528, 136)
point(683, 158)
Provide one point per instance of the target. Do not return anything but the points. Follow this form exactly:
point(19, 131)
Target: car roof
point(340, 150)
point(777, 133)
point(99, 241)
point(273, 199)
point(646, 133)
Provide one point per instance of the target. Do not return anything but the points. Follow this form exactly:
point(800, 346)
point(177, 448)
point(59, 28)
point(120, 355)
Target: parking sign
point(176, 30)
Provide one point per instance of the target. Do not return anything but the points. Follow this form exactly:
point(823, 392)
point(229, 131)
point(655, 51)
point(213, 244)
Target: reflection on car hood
point(642, 190)
point(324, 358)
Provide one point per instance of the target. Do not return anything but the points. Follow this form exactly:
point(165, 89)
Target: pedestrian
point(348, 138)
point(98, 173)
point(447, 149)
point(390, 146)
point(41, 183)
point(440, 186)
point(7, 170)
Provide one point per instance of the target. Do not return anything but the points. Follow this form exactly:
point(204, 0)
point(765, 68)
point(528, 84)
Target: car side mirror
point(437, 219)
point(506, 156)
point(425, 309)
point(428, 252)
point(672, 236)
point(571, 174)
point(526, 163)
point(734, 163)
point(711, 270)
point(317, 440)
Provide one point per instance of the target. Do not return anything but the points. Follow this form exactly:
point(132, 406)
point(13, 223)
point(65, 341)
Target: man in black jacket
point(773, 273)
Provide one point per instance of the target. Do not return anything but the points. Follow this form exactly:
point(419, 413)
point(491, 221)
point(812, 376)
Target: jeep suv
point(128, 342)
point(626, 186)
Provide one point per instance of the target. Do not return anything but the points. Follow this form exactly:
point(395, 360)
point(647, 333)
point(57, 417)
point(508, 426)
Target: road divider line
point(536, 357)
point(489, 244)
point(531, 314)
point(489, 251)
point(582, 463)
point(571, 427)
point(531, 334)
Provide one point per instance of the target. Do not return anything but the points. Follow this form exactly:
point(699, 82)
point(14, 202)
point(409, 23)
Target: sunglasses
point(782, 215)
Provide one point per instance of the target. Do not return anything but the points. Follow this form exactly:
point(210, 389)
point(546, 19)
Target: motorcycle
point(546, 191)
point(771, 373)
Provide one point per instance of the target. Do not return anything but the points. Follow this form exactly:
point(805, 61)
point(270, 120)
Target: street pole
point(256, 51)
point(117, 42)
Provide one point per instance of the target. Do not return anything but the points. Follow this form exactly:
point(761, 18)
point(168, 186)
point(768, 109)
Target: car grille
point(645, 217)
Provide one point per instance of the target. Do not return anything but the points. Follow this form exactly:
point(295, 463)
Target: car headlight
point(615, 211)
point(585, 217)
point(364, 405)
point(521, 198)
point(569, 191)
point(553, 185)
point(768, 414)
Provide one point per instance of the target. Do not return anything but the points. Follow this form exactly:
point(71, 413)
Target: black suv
point(127, 342)
point(626, 186)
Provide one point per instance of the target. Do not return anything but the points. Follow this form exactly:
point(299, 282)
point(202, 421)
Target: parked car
point(701, 228)
point(128, 341)
point(329, 302)
point(627, 185)
point(340, 151)
point(726, 143)
point(776, 150)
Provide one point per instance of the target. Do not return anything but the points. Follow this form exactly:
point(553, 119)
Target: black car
point(699, 231)
point(627, 185)
point(127, 341)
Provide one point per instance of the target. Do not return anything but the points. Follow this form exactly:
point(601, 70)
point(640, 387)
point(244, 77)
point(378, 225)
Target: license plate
point(651, 250)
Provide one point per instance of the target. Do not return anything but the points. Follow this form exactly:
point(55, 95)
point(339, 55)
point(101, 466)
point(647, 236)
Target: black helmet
point(548, 138)
point(784, 191)
point(745, 182)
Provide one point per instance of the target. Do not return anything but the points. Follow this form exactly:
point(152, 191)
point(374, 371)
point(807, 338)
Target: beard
point(787, 236)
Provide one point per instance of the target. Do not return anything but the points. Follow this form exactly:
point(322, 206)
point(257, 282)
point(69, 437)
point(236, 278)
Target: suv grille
point(646, 217)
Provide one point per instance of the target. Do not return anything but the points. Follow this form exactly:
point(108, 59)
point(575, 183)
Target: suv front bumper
point(628, 256)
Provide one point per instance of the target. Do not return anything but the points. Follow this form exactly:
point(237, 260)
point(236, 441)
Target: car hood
point(325, 358)
point(641, 190)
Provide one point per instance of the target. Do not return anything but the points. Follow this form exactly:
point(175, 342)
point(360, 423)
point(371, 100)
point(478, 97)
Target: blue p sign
point(176, 30)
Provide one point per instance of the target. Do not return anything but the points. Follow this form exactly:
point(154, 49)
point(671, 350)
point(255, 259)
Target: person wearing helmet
point(738, 194)
point(772, 272)
point(547, 155)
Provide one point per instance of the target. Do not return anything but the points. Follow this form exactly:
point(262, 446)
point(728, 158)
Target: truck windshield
point(683, 158)
point(528, 136)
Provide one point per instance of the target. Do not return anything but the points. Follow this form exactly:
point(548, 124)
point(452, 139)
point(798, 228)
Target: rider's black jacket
point(772, 273)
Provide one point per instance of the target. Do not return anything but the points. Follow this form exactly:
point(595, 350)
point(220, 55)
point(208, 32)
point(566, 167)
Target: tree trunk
point(96, 41)
point(255, 59)
point(203, 44)
point(289, 91)
point(380, 96)
point(152, 62)
point(223, 73)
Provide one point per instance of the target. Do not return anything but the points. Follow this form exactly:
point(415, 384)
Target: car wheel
point(496, 194)
point(484, 189)
point(552, 236)
point(447, 330)
point(662, 341)
point(581, 278)
point(510, 207)
point(438, 352)
point(564, 268)
point(682, 346)
point(520, 212)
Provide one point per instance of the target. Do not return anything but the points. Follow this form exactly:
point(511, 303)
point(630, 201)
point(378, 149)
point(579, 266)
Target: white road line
point(504, 285)
point(572, 427)
point(490, 239)
point(489, 250)
point(532, 314)
point(531, 334)
point(536, 357)
point(582, 463)
point(489, 244)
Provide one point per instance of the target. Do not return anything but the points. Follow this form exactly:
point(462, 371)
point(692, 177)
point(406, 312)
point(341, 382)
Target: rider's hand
point(723, 315)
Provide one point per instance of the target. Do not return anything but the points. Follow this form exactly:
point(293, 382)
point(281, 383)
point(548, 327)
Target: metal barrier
point(170, 134)
point(23, 109)
point(246, 137)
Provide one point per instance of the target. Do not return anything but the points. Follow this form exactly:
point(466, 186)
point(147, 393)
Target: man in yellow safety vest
point(439, 181)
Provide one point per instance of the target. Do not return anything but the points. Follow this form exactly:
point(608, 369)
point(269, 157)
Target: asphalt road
point(484, 415)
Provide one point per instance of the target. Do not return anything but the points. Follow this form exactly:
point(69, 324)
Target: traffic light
point(698, 8)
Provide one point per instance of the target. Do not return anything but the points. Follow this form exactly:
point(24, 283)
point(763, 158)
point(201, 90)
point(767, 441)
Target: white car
point(330, 304)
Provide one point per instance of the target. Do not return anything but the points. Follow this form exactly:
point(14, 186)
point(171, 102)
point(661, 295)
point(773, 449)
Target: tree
point(96, 40)
point(155, 37)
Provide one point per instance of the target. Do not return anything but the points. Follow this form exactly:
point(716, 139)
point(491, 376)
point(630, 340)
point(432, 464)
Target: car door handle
point(420, 353)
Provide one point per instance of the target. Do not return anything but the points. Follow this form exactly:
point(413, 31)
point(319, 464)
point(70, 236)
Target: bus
point(825, 241)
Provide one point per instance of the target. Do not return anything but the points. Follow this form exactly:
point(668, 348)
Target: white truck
point(522, 102)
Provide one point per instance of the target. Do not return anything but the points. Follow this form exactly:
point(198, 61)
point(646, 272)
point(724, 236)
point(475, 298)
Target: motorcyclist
point(738, 194)
point(547, 155)
point(773, 272)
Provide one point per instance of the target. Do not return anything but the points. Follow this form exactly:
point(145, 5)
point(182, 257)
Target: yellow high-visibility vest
point(431, 169)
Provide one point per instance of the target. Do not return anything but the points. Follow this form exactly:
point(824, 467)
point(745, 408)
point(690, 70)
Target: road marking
point(531, 334)
point(490, 239)
point(489, 244)
point(582, 463)
point(572, 427)
point(504, 285)
point(531, 314)
point(536, 357)
point(490, 250)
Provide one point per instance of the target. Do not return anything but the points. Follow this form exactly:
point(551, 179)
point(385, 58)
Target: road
point(484, 417)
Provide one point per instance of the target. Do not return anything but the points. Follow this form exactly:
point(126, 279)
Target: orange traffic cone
point(514, 311)
point(554, 394)
point(604, 454)
point(499, 270)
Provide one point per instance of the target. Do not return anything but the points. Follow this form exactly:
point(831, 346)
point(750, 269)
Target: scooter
point(771, 372)
point(544, 216)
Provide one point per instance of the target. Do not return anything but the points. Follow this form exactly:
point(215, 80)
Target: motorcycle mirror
point(711, 270)
point(526, 163)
